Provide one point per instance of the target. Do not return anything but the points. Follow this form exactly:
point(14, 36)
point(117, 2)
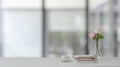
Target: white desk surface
point(55, 62)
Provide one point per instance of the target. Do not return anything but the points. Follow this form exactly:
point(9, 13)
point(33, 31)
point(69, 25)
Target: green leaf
point(100, 36)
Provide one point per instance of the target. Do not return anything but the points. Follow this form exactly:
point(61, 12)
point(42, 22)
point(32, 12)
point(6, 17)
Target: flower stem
point(97, 45)
point(97, 42)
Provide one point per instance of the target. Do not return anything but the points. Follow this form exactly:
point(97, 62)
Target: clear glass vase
point(98, 53)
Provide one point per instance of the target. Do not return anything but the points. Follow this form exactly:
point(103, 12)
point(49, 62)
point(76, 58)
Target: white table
point(55, 62)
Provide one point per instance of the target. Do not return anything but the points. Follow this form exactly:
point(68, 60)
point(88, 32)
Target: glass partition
point(22, 34)
point(106, 17)
point(21, 28)
point(66, 32)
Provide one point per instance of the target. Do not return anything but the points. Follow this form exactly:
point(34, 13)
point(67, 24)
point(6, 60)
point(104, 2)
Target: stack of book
point(84, 58)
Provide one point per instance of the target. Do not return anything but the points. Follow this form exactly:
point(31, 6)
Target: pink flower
point(92, 35)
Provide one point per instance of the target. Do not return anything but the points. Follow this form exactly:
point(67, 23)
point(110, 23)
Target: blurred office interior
point(51, 28)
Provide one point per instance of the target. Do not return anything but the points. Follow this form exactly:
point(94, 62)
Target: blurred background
point(51, 28)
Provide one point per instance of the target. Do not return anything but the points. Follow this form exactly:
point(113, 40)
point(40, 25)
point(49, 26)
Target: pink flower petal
point(92, 35)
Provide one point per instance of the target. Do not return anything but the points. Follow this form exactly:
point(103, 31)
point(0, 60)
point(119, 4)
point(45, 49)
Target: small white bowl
point(65, 58)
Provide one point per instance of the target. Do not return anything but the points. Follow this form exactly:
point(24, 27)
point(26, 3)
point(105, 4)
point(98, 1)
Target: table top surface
point(55, 62)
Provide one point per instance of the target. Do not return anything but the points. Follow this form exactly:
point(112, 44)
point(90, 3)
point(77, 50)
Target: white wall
point(56, 4)
point(21, 4)
point(50, 4)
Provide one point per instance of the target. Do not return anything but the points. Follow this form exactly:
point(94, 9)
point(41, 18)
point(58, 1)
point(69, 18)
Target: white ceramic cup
point(65, 58)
